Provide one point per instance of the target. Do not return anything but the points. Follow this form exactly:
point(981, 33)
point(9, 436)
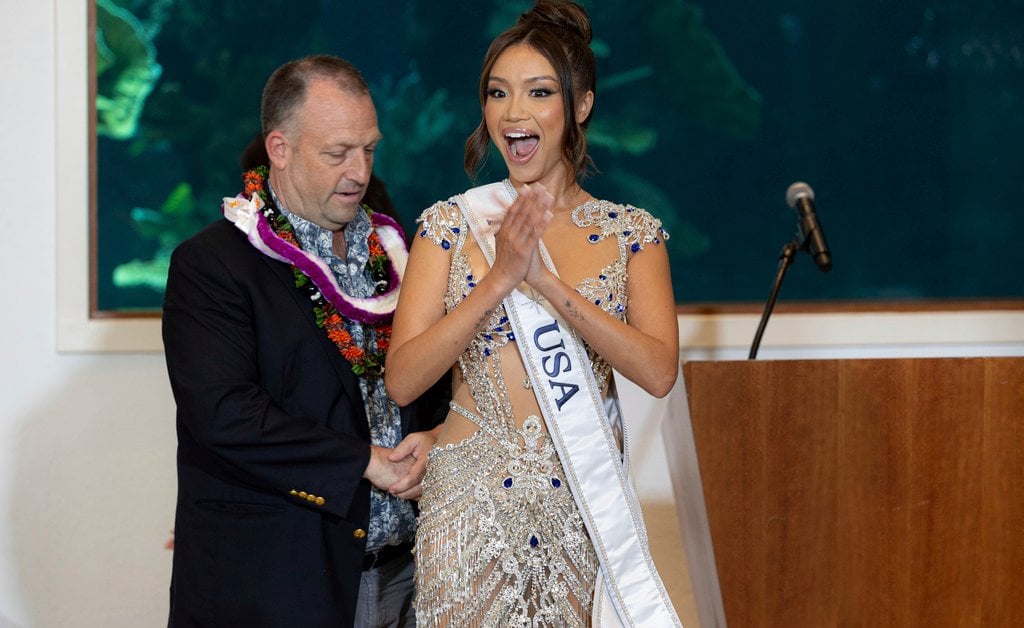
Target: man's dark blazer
point(272, 444)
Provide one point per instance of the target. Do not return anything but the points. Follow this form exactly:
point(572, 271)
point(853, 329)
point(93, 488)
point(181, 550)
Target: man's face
point(329, 156)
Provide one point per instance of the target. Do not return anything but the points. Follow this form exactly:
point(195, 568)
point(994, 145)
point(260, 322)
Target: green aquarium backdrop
point(906, 118)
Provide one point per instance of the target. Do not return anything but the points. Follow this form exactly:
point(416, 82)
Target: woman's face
point(525, 117)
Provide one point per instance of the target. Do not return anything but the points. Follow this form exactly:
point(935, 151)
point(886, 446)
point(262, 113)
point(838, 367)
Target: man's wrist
point(372, 463)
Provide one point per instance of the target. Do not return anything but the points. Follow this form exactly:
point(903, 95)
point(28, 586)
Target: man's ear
point(278, 149)
point(584, 106)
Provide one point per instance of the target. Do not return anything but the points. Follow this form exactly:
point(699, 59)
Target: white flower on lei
point(243, 212)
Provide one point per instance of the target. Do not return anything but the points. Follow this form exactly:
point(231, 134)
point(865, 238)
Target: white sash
point(629, 590)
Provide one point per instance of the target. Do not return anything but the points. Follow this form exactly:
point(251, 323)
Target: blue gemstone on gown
point(534, 542)
point(445, 244)
point(594, 237)
point(507, 483)
point(556, 482)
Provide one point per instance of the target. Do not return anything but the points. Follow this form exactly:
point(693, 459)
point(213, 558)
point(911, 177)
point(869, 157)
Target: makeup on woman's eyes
point(536, 92)
point(537, 86)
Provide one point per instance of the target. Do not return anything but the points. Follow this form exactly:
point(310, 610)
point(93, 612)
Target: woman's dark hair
point(559, 30)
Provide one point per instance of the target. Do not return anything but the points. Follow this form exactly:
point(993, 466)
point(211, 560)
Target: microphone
point(800, 197)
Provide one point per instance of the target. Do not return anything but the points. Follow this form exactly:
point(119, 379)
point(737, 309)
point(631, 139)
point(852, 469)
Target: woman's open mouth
point(521, 145)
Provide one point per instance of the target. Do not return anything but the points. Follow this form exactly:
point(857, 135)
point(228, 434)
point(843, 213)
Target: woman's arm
point(647, 349)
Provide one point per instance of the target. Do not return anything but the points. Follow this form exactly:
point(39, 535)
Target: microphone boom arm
point(786, 257)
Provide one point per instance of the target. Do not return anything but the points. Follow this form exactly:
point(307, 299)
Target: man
point(294, 468)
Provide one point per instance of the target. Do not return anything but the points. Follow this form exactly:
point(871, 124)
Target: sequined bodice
point(481, 366)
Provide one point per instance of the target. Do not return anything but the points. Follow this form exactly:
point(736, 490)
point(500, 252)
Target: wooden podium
point(880, 492)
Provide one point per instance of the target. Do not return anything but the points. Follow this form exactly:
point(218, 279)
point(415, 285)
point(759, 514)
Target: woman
point(522, 524)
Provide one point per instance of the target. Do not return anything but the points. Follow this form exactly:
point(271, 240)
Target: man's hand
point(382, 472)
point(413, 451)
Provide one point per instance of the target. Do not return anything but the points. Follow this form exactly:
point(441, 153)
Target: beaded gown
point(501, 541)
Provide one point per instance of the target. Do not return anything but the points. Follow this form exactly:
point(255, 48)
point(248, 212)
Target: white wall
point(87, 438)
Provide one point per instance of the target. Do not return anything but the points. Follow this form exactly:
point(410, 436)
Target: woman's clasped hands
point(517, 256)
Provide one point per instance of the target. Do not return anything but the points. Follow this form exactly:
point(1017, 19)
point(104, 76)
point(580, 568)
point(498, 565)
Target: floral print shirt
point(392, 519)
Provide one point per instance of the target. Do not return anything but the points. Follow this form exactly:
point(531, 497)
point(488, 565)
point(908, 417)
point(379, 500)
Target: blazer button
point(293, 492)
point(310, 498)
point(359, 533)
point(303, 494)
point(320, 501)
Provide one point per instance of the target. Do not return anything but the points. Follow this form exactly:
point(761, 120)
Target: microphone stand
point(785, 259)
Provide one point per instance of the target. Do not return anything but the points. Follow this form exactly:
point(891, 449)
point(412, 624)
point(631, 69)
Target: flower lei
point(271, 233)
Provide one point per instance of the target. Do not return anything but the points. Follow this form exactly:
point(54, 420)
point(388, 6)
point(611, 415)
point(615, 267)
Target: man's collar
point(316, 239)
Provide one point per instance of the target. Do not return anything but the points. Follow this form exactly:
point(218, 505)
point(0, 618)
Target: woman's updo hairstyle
point(560, 30)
